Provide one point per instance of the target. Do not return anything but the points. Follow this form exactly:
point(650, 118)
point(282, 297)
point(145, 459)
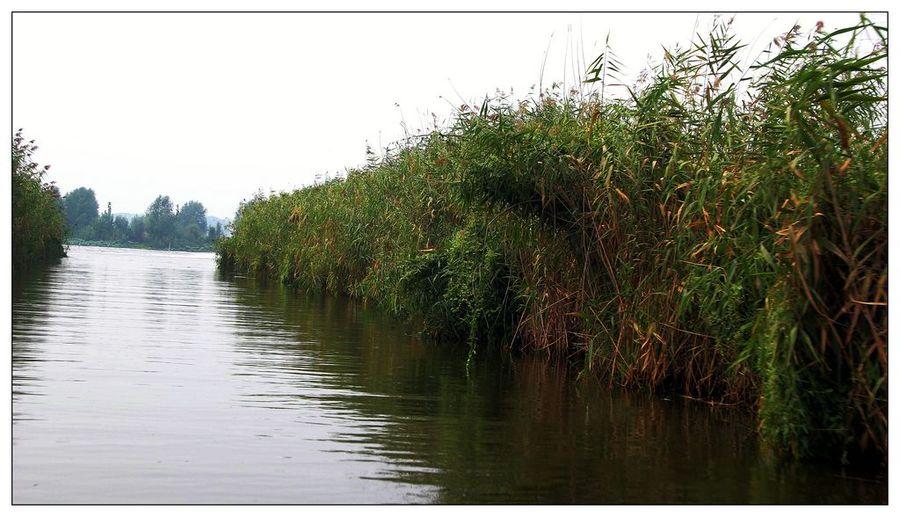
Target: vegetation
point(81, 209)
point(162, 227)
point(720, 233)
point(38, 226)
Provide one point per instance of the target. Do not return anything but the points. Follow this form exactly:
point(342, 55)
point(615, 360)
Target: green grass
point(719, 233)
point(38, 224)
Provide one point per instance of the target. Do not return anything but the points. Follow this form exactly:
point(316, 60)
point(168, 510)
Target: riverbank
point(137, 245)
point(720, 234)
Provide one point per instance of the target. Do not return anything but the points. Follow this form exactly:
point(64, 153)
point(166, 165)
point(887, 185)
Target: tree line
point(163, 226)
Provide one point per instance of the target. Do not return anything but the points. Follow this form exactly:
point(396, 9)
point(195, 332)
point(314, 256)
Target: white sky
point(214, 107)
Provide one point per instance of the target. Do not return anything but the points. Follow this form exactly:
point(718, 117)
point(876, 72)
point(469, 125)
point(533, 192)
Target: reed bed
point(38, 224)
point(720, 232)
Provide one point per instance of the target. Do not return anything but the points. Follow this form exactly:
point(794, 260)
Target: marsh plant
point(719, 232)
point(38, 223)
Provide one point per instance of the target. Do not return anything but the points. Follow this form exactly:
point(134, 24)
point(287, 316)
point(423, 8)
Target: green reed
point(720, 232)
point(38, 224)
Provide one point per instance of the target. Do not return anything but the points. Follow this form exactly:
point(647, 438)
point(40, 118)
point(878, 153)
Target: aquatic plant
point(719, 232)
point(38, 223)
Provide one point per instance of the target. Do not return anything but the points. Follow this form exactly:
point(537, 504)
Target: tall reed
point(38, 224)
point(721, 232)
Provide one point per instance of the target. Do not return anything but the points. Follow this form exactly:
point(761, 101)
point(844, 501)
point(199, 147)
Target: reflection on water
point(144, 376)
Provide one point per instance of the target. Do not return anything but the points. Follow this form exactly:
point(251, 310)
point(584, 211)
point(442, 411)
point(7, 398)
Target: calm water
point(144, 376)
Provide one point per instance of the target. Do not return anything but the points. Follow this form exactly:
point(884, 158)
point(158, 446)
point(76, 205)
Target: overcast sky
point(215, 107)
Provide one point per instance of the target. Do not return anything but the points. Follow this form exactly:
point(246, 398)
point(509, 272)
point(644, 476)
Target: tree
point(121, 230)
point(190, 221)
point(81, 209)
point(214, 233)
point(102, 229)
point(137, 230)
point(164, 225)
point(160, 222)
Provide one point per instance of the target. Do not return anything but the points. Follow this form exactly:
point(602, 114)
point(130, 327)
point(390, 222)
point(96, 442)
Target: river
point(148, 377)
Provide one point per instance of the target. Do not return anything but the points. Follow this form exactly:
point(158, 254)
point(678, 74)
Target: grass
point(720, 232)
point(38, 224)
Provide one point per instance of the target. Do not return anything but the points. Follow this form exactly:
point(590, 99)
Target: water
point(146, 377)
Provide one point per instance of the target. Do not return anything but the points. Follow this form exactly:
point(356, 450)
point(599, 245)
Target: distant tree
point(102, 229)
point(160, 222)
point(190, 222)
point(214, 233)
point(137, 230)
point(164, 225)
point(121, 231)
point(81, 209)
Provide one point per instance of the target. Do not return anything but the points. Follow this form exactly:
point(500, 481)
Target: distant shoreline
point(136, 245)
